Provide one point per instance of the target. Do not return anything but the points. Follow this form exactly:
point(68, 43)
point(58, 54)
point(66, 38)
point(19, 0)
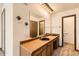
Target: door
point(68, 29)
point(33, 28)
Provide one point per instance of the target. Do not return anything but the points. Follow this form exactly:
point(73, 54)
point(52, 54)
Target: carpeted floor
point(67, 50)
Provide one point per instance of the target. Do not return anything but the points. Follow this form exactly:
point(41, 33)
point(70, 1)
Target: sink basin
point(45, 39)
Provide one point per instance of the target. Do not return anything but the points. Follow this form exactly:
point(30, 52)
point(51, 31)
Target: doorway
point(69, 30)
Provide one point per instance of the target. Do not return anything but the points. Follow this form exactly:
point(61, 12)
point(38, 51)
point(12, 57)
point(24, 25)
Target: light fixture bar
point(46, 6)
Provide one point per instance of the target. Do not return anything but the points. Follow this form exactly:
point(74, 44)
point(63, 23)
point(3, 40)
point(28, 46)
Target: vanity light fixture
point(26, 23)
point(47, 7)
point(18, 18)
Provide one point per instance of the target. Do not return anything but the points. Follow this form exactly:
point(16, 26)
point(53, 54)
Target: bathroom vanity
point(38, 47)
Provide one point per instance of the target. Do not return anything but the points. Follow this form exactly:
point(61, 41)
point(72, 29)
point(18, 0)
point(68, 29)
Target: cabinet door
point(55, 44)
point(48, 50)
point(51, 49)
point(44, 51)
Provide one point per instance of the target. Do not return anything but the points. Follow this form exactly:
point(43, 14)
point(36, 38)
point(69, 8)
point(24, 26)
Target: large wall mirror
point(37, 20)
point(37, 26)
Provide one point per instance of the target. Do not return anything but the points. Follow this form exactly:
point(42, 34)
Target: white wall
point(47, 25)
point(20, 30)
point(57, 20)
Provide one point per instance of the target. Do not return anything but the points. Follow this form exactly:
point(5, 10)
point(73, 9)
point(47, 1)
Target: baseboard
point(68, 43)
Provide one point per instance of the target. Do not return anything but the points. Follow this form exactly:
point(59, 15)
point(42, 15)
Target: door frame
point(3, 31)
point(39, 26)
point(74, 15)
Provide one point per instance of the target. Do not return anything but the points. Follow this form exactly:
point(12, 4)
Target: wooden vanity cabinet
point(45, 51)
point(45, 48)
point(41, 52)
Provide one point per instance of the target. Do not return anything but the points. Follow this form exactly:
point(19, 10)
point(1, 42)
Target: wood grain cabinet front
point(38, 47)
point(24, 52)
point(38, 52)
point(50, 49)
point(44, 52)
point(41, 52)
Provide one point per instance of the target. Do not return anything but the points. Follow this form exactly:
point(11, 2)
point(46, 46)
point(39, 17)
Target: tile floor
point(67, 50)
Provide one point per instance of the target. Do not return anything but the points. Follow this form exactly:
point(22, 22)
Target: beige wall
point(57, 26)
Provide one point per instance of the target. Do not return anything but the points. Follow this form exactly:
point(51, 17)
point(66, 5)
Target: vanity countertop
point(35, 44)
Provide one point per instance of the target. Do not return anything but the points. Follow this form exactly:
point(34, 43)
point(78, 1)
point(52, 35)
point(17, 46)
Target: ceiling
point(59, 7)
point(37, 10)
